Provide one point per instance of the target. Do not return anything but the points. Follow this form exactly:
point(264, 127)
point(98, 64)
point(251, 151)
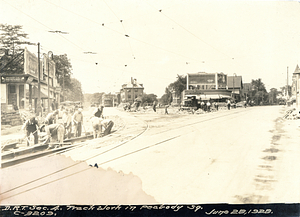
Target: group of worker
point(71, 123)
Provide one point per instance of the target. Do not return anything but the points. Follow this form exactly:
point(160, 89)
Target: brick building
point(131, 91)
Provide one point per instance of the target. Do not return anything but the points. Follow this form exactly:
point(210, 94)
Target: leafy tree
point(149, 98)
point(258, 85)
point(259, 93)
point(12, 37)
point(96, 98)
point(166, 98)
point(273, 96)
point(63, 70)
point(179, 85)
point(74, 92)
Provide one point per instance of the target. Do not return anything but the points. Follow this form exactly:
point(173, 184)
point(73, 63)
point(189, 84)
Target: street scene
point(135, 103)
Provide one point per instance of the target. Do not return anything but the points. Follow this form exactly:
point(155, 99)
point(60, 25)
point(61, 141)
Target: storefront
point(205, 87)
point(21, 88)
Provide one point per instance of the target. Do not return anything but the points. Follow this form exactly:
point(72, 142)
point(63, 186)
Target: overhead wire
point(118, 32)
point(42, 24)
point(121, 21)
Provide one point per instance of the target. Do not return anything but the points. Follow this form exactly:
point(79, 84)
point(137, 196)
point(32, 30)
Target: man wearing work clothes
point(98, 112)
point(97, 128)
point(67, 122)
point(31, 126)
point(77, 120)
point(51, 118)
point(55, 132)
point(107, 125)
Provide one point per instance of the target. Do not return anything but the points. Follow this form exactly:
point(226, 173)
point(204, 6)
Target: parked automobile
point(240, 104)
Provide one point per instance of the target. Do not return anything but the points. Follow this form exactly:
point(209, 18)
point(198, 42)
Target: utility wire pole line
point(39, 83)
point(287, 83)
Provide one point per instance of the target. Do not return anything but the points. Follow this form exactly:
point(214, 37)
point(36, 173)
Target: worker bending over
point(55, 134)
point(31, 126)
point(107, 125)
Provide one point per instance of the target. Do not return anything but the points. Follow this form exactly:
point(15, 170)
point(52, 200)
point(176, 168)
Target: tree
point(273, 96)
point(97, 98)
point(179, 85)
point(74, 92)
point(12, 37)
point(259, 93)
point(284, 89)
point(149, 98)
point(63, 70)
point(166, 99)
point(258, 85)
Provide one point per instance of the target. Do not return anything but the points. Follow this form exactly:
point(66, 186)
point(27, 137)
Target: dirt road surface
point(244, 155)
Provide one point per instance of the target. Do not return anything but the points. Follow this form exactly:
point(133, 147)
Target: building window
point(136, 90)
point(129, 91)
point(129, 96)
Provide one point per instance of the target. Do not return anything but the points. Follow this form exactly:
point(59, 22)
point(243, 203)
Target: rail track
point(128, 128)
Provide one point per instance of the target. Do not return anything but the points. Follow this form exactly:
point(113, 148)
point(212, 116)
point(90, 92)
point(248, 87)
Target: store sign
point(31, 64)
point(48, 66)
point(187, 92)
point(199, 79)
point(222, 80)
point(12, 79)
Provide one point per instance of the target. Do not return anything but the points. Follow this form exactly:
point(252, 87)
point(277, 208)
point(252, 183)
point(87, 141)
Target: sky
point(154, 41)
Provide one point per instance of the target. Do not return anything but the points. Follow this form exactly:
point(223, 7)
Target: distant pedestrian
point(216, 106)
point(154, 106)
point(208, 106)
point(228, 104)
point(107, 125)
point(77, 120)
point(202, 105)
point(31, 126)
point(166, 109)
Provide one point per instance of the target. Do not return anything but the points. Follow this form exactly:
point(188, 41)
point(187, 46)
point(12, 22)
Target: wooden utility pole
point(39, 83)
point(287, 83)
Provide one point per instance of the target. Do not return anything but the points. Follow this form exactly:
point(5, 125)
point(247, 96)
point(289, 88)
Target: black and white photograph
point(150, 108)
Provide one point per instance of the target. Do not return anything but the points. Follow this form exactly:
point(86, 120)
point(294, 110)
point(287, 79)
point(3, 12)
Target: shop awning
point(35, 93)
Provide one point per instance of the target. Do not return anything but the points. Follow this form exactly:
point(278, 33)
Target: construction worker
point(55, 132)
point(98, 112)
point(51, 118)
point(67, 122)
point(166, 109)
point(154, 106)
point(97, 128)
point(31, 126)
point(107, 125)
point(77, 121)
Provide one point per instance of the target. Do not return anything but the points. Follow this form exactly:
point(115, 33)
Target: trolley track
point(182, 124)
